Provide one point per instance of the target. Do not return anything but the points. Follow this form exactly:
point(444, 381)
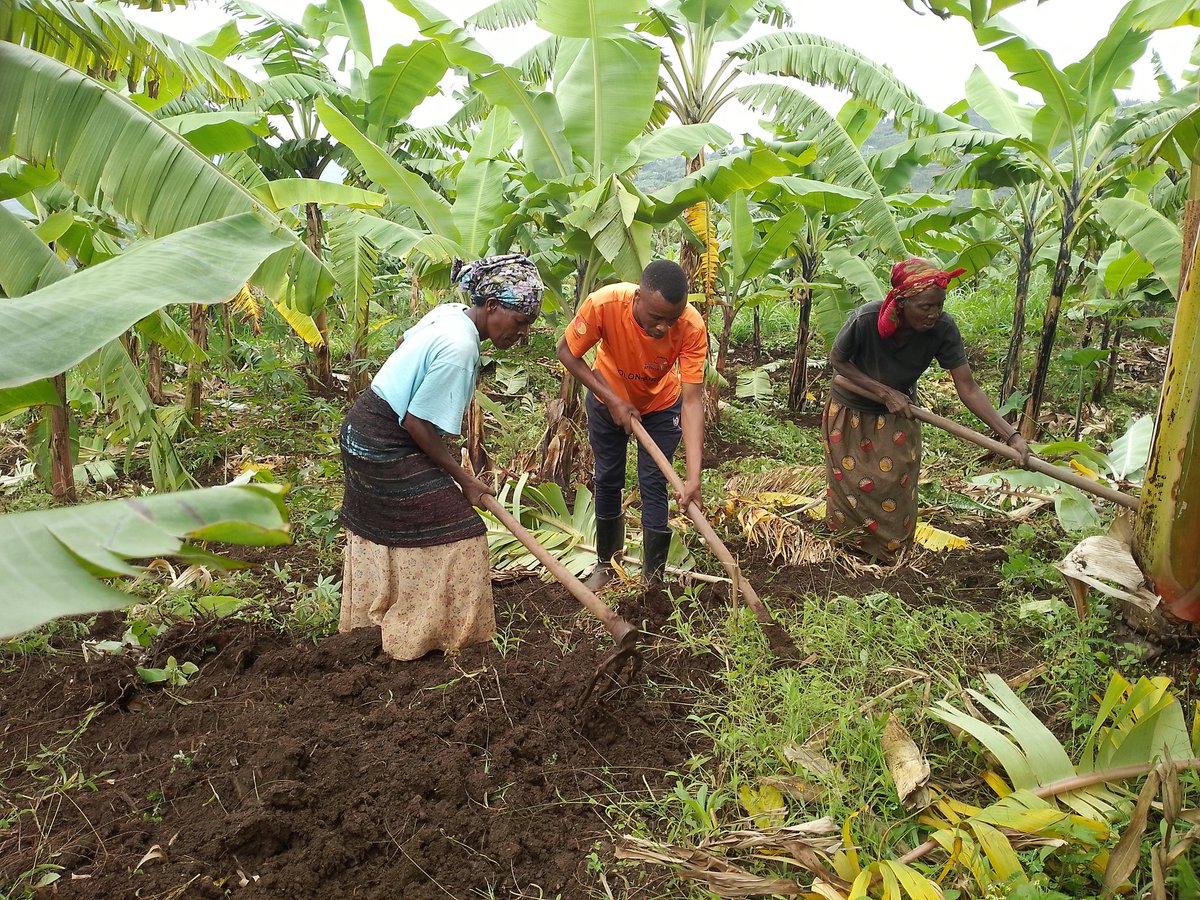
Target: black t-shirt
point(898, 367)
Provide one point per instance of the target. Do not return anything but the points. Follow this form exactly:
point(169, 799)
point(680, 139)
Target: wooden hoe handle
point(619, 628)
point(706, 531)
point(1000, 449)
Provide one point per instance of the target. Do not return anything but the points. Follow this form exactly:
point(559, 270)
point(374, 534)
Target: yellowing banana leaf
point(303, 324)
point(932, 538)
point(764, 804)
point(899, 881)
point(1084, 470)
point(906, 764)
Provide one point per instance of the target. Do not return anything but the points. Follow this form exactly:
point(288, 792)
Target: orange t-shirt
point(633, 363)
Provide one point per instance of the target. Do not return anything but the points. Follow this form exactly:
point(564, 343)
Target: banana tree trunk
point(320, 365)
point(129, 340)
point(62, 468)
point(1012, 362)
point(559, 442)
point(1110, 381)
point(564, 414)
point(1099, 386)
point(1167, 528)
point(1041, 364)
point(414, 293)
point(757, 339)
point(712, 408)
point(195, 369)
point(154, 373)
point(358, 352)
point(476, 432)
point(227, 329)
point(689, 255)
point(798, 381)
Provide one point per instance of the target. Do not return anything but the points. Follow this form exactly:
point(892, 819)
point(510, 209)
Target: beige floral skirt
point(421, 598)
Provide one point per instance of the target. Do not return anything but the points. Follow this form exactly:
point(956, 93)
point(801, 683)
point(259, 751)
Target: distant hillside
point(662, 172)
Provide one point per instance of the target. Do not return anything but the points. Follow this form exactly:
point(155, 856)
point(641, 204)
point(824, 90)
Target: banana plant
point(704, 68)
point(106, 148)
point(1080, 115)
point(1021, 225)
point(581, 142)
point(56, 555)
point(796, 208)
point(827, 225)
point(100, 40)
point(1168, 520)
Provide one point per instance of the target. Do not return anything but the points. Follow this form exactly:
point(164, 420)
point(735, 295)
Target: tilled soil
point(332, 770)
point(293, 770)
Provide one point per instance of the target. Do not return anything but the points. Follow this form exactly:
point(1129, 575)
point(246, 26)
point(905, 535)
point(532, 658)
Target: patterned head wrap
point(909, 278)
point(511, 280)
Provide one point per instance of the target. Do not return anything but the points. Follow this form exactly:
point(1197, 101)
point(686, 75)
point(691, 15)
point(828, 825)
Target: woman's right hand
point(897, 403)
point(474, 490)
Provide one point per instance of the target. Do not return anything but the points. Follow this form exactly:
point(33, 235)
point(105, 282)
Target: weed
point(173, 673)
point(181, 760)
point(512, 626)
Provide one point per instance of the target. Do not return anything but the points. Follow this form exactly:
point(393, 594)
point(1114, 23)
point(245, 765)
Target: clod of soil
point(332, 770)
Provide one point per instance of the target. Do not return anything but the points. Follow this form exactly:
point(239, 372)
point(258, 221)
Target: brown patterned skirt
point(872, 462)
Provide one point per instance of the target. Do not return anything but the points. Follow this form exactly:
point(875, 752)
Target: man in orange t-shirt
point(650, 367)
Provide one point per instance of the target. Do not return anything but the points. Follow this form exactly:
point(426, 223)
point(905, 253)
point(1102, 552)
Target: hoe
point(624, 633)
point(781, 643)
point(1035, 465)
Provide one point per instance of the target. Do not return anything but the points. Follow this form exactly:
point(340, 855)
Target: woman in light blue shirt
point(416, 562)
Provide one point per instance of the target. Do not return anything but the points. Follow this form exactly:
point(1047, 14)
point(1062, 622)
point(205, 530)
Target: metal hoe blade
point(627, 651)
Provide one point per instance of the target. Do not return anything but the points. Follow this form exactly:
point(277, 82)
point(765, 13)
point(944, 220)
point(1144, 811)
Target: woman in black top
point(873, 449)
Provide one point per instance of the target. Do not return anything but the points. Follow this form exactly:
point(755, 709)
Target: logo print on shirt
point(580, 326)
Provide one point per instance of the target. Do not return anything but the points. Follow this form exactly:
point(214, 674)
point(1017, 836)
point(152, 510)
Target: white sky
point(931, 56)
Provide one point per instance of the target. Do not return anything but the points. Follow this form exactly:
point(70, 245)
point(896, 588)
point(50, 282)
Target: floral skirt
point(421, 598)
point(872, 461)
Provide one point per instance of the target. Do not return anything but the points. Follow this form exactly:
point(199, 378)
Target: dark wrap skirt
point(395, 495)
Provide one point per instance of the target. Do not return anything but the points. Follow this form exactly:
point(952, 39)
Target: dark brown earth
point(333, 770)
point(294, 770)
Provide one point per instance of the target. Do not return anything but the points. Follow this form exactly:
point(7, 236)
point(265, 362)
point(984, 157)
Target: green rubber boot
point(610, 542)
point(655, 547)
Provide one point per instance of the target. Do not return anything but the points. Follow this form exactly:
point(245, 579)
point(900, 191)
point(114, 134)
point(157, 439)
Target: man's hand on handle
point(690, 495)
point(623, 413)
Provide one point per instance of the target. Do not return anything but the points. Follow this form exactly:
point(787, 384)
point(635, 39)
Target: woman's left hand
point(474, 489)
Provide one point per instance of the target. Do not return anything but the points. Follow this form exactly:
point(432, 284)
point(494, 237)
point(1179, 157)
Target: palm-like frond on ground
point(1138, 724)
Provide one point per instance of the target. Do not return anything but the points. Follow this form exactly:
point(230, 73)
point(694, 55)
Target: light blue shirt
point(432, 373)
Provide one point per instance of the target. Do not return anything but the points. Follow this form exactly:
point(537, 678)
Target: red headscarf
point(909, 278)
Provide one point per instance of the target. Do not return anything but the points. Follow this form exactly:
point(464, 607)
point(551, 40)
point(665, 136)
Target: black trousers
point(609, 442)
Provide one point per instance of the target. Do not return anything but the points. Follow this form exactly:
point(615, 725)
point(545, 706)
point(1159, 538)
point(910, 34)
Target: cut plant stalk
point(624, 633)
point(780, 642)
point(1035, 465)
point(1168, 523)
